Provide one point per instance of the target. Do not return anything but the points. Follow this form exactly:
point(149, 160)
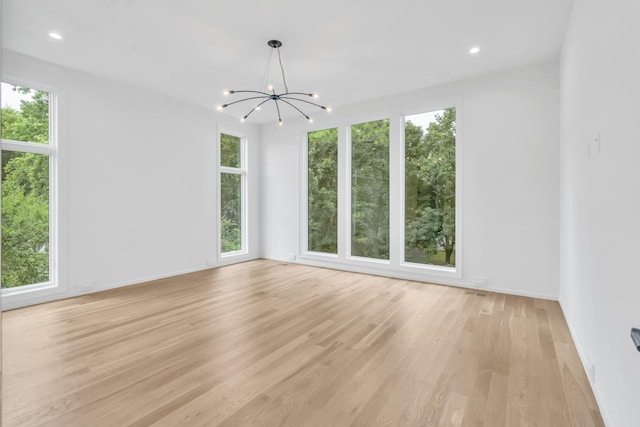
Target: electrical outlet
point(595, 143)
point(592, 373)
point(479, 282)
point(291, 257)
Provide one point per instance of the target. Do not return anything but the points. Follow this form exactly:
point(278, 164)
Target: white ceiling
point(348, 51)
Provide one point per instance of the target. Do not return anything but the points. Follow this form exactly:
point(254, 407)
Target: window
point(322, 191)
point(232, 194)
point(430, 188)
point(370, 189)
point(382, 196)
point(28, 166)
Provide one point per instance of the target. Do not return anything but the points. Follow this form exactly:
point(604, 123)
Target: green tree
point(431, 186)
point(230, 194)
point(323, 191)
point(231, 213)
point(370, 189)
point(25, 194)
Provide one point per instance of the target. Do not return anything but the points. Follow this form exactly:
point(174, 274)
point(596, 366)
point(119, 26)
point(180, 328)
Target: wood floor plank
point(267, 343)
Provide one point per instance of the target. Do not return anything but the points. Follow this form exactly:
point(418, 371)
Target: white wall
point(138, 183)
point(510, 128)
point(600, 198)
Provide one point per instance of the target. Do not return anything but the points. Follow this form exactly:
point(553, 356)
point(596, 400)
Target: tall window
point(232, 194)
point(370, 189)
point(430, 188)
point(28, 153)
point(322, 191)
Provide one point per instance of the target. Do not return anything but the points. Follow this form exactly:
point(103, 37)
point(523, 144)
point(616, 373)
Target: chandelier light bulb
point(270, 87)
point(280, 122)
point(314, 95)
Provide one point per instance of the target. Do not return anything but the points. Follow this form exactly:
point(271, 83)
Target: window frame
point(349, 195)
point(51, 150)
point(305, 194)
point(242, 171)
point(395, 266)
point(435, 269)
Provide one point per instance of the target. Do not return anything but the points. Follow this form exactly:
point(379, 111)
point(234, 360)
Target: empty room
point(327, 213)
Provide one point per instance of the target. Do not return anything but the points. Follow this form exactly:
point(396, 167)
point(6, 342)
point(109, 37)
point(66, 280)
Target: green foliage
point(230, 149)
point(230, 235)
point(231, 212)
point(230, 194)
point(31, 123)
point(25, 194)
point(370, 189)
point(323, 191)
point(431, 188)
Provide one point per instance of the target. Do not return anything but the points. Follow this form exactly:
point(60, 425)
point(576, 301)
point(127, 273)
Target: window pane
point(25, 114)
point(370, 189)
point(25, 218)
point(231, 212)
point(230, 151)
point(323, 191)
point(430, 188)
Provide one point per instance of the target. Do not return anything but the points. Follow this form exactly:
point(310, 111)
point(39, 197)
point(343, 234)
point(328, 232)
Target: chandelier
point(292, 99)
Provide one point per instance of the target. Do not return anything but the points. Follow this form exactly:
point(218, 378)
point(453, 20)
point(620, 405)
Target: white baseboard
point(414, 276)
point(28, 300)
point(585, 365)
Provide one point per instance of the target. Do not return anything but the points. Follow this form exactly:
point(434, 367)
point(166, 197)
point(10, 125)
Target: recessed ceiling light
point(474, 50)
point(55, 36)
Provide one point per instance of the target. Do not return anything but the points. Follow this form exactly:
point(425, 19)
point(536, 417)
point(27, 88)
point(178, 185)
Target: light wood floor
point(267, 344)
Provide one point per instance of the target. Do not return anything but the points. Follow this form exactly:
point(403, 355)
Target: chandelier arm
point(254, 108)
point(297, 93)
point(246, 99)
point(233, 92)
point(303, 100)
point(299, 110)
point(278, 108)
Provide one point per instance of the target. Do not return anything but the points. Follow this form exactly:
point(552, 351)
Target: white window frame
point(50, 150)
point(395, 266)
point(434, 269)
point(348, 187)
point(305, 205)
point(244, 200)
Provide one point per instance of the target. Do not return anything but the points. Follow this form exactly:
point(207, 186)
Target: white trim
point(28, 147)
point(366, 267)
point(30, 292)
point(396, 262)
point(585, 365)
point(396, 190)
point(454, 272)
point(239, 255)
point(349, 187)
point(18, 303)
point(304, 193)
